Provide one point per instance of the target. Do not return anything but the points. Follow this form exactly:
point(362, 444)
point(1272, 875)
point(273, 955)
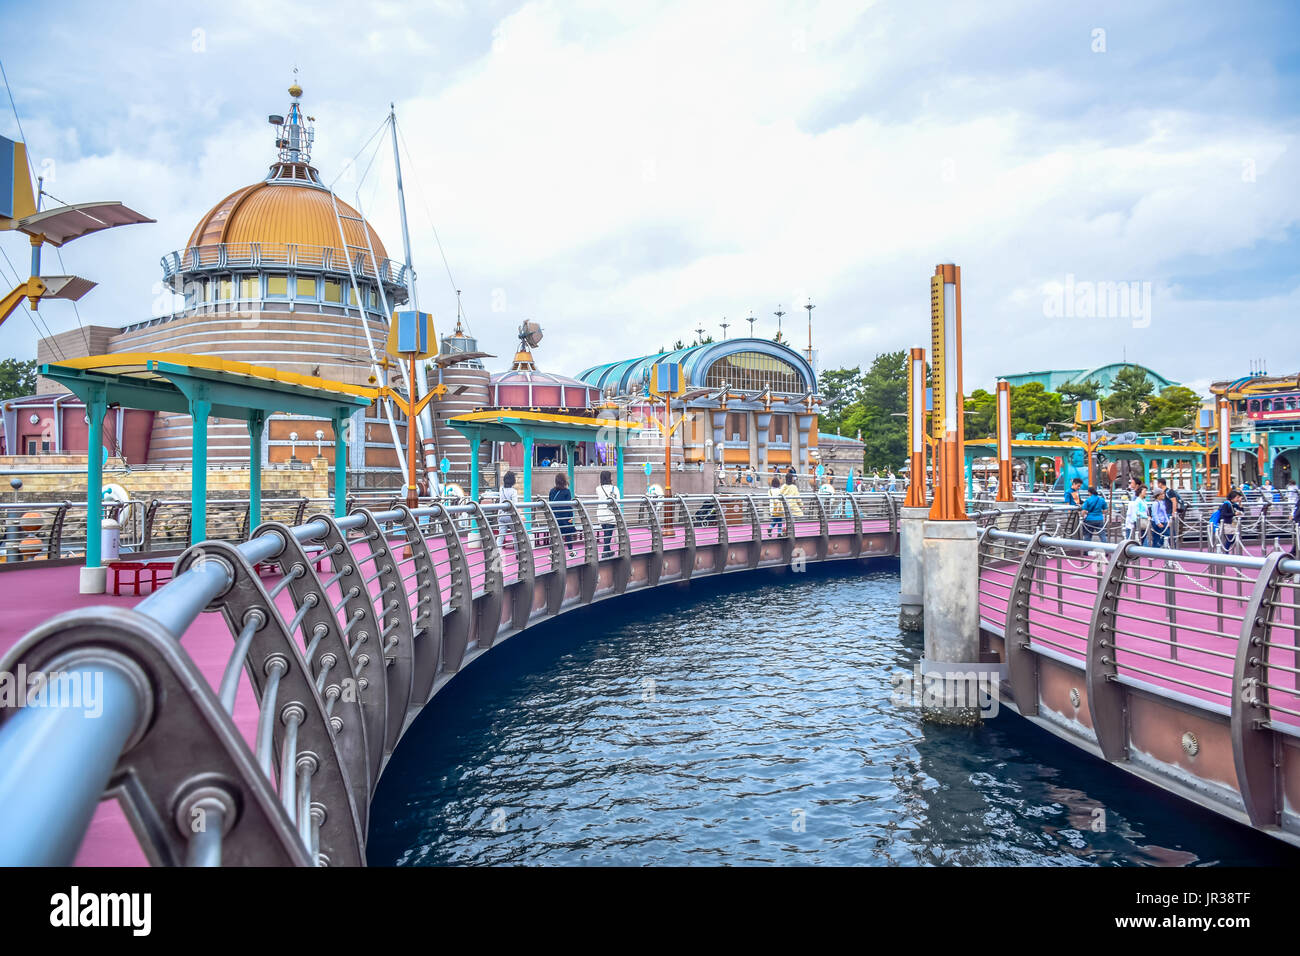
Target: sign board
point(1088, 412)
point(411, 333)
point(16, 200)
point(821, 470)
point(1206, 419)
point(445, 465)
point(666, 379)
point(648, 468)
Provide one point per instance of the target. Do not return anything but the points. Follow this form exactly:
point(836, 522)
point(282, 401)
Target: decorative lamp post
point(945, 360)
point(1004, 442)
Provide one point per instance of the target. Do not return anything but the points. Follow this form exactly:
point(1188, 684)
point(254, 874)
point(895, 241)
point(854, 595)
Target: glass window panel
point(250, 287)
point(333, 292)
point(305, 288)
point(754, 371)
point(737, 426)
point(277, 286)
point(781, 428)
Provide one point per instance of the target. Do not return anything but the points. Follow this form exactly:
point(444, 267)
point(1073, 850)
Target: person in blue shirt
point(1094, 517)
point(1074, 495)
point(1224, 519)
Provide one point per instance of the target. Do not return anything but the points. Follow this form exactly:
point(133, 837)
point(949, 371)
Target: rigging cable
point(47, 334)
point(429, 215)
point(350, 162)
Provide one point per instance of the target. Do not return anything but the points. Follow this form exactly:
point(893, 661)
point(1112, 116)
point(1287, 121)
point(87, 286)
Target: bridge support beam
point(950, 666)
point(911, 572)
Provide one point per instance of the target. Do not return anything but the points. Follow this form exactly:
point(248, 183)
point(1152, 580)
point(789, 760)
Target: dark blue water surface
point(749, 721)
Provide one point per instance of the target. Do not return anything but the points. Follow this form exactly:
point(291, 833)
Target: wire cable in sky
point(429, 215)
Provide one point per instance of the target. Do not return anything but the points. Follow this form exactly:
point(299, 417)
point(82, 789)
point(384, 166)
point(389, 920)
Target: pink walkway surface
point(33, 595)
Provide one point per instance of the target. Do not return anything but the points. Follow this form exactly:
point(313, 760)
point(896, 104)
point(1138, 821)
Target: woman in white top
point(510, 494)
point(1137, 519)
point(607, 494)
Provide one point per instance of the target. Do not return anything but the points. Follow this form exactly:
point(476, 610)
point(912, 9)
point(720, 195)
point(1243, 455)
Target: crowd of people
point(1152, 514)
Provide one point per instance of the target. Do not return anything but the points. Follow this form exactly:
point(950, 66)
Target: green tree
point(1174, 407)
point(17, 378)
point(1032, 407)
point(1073, 394)
point(840, 388)
point(880, 412)
point(1130, 394)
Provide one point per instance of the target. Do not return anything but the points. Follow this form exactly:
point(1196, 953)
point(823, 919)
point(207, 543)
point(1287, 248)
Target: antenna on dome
point(294, 134)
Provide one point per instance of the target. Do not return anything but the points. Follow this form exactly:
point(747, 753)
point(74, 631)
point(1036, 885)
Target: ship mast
point(425, 422)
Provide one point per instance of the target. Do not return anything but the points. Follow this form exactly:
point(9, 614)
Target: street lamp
point(320, 437)
point(293, 446)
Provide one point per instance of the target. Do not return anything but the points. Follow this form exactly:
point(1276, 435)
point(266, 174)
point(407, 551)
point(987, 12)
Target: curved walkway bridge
point(256, 733)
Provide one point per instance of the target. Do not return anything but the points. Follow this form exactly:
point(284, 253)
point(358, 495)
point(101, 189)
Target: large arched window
point(754, 371)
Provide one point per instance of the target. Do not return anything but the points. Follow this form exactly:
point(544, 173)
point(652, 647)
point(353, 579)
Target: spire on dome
point(294, 136)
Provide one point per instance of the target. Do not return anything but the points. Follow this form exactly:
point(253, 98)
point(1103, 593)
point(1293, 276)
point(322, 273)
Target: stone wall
point(312, 480)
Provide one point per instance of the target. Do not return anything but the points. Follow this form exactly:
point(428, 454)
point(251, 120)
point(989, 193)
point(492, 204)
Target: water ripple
point(749, 721)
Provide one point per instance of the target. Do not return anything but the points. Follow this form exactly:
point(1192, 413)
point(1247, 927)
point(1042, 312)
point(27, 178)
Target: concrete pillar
point(911, 588)
point(950, 558)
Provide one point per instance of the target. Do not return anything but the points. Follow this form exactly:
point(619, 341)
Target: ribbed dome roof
point(278, 213)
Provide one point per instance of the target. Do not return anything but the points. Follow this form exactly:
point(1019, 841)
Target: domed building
point(281, 273)
point(749, 403)
point(524, 387)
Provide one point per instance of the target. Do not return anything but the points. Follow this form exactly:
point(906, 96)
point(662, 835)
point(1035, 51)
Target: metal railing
point(295, 256)
point(339, 630)
point(1214, 634)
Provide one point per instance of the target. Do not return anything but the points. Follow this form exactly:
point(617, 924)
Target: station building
point(1266, 426)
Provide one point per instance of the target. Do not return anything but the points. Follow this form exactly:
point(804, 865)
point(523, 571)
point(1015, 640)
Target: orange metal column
point(1004, 442)
point(916, 497)
point(1225, 448)
point(949, 407)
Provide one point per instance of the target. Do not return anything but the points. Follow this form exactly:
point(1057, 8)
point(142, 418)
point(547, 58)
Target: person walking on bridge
point(1094, 517)
point(791, 493)
point(1159, 520)
point(1224, 519)
point(1174, 504)
point(775, 508)
point(608, 495)
point(1137, 520)
point(1074, 496)
point(563, 512)
point(509, 495)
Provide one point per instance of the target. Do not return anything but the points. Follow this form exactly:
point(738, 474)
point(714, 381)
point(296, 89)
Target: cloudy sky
point(625, 173)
